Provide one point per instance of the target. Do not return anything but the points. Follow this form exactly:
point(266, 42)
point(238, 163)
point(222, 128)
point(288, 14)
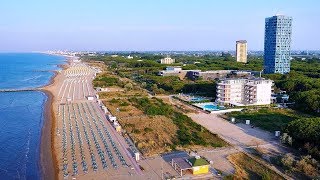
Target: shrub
point(287, 161)
point(136, 131)
point(114, 101)
point(148, 130)
point(128, 86)
point(124, 104)
point(308, 166)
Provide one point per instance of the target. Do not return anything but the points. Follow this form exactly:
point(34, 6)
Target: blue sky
point(150, 25)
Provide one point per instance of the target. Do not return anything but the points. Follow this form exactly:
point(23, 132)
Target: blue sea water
point(21, 113)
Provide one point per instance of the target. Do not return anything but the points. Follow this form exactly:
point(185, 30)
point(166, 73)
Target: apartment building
point(243, 92)
point(241, 51)
point(167, 60)
point(277, 44)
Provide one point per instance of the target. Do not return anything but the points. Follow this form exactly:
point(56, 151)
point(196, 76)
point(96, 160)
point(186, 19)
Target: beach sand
point(48, 156)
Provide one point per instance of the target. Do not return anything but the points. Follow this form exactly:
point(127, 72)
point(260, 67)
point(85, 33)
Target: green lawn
point(268, 118)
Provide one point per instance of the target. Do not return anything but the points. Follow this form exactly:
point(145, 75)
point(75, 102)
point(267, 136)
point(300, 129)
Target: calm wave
point(21, 113)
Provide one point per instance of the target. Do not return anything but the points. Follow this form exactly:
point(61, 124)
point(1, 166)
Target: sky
point(147, 25)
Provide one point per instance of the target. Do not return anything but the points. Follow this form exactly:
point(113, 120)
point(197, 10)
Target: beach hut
point(137, 156)
point(90, 98)
point(112, 118)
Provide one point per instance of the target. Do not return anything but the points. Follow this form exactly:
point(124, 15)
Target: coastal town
point(116, 116)
point(94, 136)
point(175, 90)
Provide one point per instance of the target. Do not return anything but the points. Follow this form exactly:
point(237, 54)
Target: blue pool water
point(21, 113)
point(211, 107)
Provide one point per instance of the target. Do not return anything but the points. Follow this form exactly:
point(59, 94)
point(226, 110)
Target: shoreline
point(48, 157)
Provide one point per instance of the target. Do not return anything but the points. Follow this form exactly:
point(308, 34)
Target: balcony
point(220, 95)
point(223, 87)
point(220, 87)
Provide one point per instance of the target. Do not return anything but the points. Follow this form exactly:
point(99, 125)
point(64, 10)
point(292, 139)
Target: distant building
point(129, 57)
point(208, 75)
point(239, 73)
point(174, 71)
point(216, 74)
point(243, 92)
point(171, 71)
point(204, 75)
point(173, 68)
point(241, 51)
point(277, 44)
point(167, 60)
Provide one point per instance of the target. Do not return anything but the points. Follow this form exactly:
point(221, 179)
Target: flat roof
point(175, 154)
point(182, 163)
point(241, 41)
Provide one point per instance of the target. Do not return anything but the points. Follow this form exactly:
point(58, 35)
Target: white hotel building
point(167, 60)
point(244, 92)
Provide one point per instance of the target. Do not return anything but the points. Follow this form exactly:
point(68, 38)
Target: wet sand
point(48, 158)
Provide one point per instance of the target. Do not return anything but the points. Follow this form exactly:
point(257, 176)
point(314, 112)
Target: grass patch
point(114, 101)
point(267, 118)
point(106, 81)
point(188, 133)
point(247, 168)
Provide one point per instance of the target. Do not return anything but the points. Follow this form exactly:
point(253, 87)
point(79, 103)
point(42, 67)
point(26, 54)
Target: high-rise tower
point(241, 51)
point(277, 42)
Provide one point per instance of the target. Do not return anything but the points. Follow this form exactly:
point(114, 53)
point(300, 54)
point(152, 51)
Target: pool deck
point(225, 111)
point(194, 99)
point(220, 111)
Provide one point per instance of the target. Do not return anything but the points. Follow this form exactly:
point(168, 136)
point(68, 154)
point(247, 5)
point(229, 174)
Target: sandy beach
point(77, 139)
point(48, 157)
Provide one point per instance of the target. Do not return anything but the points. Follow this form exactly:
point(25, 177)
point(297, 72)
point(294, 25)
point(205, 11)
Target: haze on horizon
point(121, 25)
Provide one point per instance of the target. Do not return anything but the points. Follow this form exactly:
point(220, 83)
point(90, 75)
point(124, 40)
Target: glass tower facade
point(277, 42)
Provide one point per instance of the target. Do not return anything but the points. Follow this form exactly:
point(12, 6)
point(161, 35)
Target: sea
point(22, 113)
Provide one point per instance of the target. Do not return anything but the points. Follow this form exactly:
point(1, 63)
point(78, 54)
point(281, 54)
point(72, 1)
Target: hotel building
point(243, 92)
point(241, 51)
point(167, 60)
point(277, 44)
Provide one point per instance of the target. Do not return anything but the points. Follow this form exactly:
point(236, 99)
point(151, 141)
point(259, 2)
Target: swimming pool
point(209, 106)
